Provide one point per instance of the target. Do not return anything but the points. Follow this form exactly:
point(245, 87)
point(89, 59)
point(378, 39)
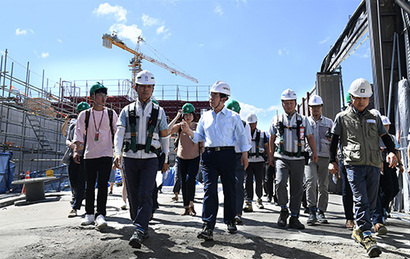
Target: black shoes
point(283, 217)
point(137, 238)
point(206, 233)
point(232, 227)
point(295, 223)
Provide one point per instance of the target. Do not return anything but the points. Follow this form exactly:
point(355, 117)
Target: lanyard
point(97, 130)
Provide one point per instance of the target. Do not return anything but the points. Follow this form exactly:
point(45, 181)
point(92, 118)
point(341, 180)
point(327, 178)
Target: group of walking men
point(301, 149)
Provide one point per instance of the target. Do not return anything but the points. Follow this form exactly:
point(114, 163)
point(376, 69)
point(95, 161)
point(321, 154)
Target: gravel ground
point(42, 230)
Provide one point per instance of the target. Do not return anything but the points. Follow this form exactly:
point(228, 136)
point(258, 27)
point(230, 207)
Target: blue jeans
point(364, 181)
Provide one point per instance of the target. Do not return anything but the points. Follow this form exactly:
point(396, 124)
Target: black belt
point(218, 148)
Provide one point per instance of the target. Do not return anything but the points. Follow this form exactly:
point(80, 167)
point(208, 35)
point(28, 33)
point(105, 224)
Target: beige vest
point(360, 138)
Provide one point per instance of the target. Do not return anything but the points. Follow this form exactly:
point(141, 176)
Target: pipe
point(391, 74)
point(404, 5)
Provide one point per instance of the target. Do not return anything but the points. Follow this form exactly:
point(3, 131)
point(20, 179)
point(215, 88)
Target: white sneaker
point(88, 220)
point(100, 222)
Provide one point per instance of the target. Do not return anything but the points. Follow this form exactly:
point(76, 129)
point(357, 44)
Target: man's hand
point(271, 159)
point(185, 128)
point(334, 168)
point(165, 168)
point(392, 160)
point(77, 157)
point(244, 160)
point(117, 162)
point(315, 158)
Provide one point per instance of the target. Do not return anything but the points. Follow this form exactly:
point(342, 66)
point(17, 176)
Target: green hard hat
point(96, 87)
point(348, 98)
point(233, 105)
point(82, 106)
point(154, 101)
point(188, 108)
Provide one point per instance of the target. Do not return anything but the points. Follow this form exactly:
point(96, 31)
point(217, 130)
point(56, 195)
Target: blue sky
point(259, 47)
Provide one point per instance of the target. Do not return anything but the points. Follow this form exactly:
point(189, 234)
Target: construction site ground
point(43, 230)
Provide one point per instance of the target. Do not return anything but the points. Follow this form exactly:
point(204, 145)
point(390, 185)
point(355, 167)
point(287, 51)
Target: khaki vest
point(360, 138)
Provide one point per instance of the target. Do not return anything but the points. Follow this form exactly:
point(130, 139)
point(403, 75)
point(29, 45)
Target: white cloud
point(149, 21)
point(324, 41)
point(367, 54)
point(247, 109)
point(163, 31)
point(119, 12)
point(23, 31)
point(283, 51)
point(218, 9)
point(264, 115)
point(59, 41)
point(239, 2)
point(127, 32)
point(201, 45)
point(273, 108)
point(45, 55)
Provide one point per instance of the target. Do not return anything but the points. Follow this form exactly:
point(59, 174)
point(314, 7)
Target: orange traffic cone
point(24, 186)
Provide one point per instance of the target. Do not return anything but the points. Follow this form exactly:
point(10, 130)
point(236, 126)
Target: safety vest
point(257, 144)
point(360, 140)
point(297, 132)
point(139, 122)
point(257, 152)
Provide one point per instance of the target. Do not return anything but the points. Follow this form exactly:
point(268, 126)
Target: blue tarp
point(168, 177)
point(6, 172)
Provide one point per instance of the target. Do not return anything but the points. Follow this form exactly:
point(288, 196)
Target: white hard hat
point(288, 94)
point(221, 87)
point(376, 111)
point(360, 88)
point(385, 120)
point(145, 78)
point(315, 100)
point(252, 118)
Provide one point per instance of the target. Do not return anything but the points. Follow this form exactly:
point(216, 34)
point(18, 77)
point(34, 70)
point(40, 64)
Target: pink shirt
point(103, 147)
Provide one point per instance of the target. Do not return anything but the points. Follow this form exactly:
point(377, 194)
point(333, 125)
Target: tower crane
point(135, 63)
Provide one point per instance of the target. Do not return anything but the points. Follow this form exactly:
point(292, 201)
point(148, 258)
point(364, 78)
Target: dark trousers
point(177, 178)
point(100, 167)
point(218, 163)
point(268, 181)
point(239, 187)
point(140, 177)
point(389, 188)
point(347, 194)
point(254, 170)
point(76, 176)
point(188, 169)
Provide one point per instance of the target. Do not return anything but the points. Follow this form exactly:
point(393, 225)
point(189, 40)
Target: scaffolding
point(33, 109)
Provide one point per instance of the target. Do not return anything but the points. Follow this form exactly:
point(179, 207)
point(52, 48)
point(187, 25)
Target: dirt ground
point(42, 230)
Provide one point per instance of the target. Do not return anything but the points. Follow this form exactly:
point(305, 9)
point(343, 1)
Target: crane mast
point(109, 40)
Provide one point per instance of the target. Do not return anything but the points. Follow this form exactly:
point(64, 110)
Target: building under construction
point(34, 108)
